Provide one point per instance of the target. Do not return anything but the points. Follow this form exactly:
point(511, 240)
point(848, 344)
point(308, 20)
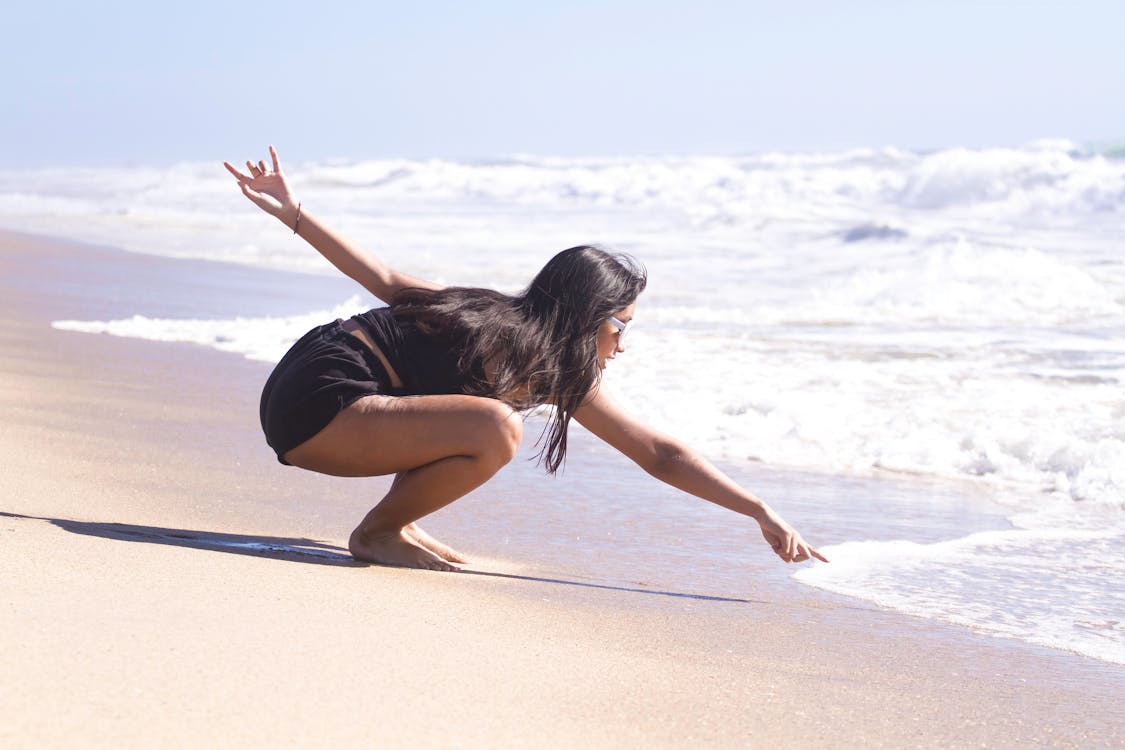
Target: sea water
point(955, 316)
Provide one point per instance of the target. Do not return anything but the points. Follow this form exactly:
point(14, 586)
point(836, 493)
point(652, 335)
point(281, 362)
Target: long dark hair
point(539, 346)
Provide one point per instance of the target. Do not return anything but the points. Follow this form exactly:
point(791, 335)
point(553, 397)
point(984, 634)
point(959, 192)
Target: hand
point(785, 540)
point(268, 190)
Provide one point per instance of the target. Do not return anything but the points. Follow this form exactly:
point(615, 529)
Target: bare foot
point(415, 532)
point(394, 548)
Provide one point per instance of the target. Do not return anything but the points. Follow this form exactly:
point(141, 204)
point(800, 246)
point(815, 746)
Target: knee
point(504, 433)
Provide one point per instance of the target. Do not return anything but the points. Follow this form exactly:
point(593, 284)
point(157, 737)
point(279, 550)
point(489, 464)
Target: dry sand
point(165, 583)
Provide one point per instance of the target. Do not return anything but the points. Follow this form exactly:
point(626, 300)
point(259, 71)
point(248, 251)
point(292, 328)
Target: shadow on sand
point(293, 549)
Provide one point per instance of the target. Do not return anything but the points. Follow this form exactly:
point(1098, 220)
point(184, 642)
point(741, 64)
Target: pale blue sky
point(143, 81)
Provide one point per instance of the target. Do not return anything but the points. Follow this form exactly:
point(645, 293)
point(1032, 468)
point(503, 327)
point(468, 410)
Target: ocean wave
point(845, 195)
point(262, 338)
point(1022, 181)
point(1047, 175)
point(1044, 585)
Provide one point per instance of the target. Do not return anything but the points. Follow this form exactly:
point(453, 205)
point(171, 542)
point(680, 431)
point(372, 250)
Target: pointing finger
point(235, 172)
point(276, 161)
point(817, 555)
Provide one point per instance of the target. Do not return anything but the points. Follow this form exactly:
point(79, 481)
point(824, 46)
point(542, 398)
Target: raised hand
point(267, 189)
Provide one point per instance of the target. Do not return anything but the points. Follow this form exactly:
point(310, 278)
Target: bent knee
point(511, 433)
point(503, 430)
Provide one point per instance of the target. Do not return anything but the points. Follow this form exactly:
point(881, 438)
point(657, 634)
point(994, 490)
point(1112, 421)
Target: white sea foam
point(262, 338)
point(954, 314)
point(995, 582)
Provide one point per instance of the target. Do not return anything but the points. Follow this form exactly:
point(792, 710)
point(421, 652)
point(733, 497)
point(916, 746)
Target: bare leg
point(419, 536)
point(381, 535)
point(441, 447)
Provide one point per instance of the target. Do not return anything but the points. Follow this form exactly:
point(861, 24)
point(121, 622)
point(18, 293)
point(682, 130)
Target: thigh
point(389, 434)
point(323, 373)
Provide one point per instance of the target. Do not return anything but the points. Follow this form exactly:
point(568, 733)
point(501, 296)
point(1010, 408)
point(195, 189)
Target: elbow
point(666, 458)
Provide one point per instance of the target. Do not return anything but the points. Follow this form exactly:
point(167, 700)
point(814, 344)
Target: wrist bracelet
point(297, 224)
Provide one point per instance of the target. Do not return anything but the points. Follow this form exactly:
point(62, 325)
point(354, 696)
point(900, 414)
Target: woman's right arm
point(677, 465)
point(270, 192)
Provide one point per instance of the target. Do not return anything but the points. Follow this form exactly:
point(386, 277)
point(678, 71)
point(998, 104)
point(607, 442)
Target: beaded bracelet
point(297, 224)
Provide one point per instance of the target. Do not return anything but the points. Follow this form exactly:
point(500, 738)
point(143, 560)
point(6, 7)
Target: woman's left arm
point(270, 192)
point(676, 464)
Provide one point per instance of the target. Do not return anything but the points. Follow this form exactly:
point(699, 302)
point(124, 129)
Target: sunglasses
point(622, 327)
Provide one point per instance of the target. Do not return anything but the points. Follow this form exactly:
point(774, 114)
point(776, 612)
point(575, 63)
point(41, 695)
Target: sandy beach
point(166, 583)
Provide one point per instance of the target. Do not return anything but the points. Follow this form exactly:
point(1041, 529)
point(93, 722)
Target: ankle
point(368, 531)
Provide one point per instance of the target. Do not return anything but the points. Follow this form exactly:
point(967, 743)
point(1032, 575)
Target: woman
point(429, 388)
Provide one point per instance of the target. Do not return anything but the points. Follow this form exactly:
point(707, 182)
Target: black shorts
point(326, 371)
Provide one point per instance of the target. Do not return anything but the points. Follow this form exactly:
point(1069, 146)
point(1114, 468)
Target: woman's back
point(425, 366)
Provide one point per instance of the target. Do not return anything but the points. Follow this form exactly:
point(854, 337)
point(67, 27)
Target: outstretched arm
point(676, 464)
point(270, 192)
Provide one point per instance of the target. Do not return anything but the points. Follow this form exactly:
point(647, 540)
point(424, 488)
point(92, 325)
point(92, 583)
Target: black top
point(426, 367)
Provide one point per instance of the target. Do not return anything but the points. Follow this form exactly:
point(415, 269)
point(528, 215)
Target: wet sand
point(167, 583)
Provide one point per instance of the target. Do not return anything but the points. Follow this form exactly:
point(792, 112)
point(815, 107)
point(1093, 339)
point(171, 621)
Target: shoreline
point(163, 567)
